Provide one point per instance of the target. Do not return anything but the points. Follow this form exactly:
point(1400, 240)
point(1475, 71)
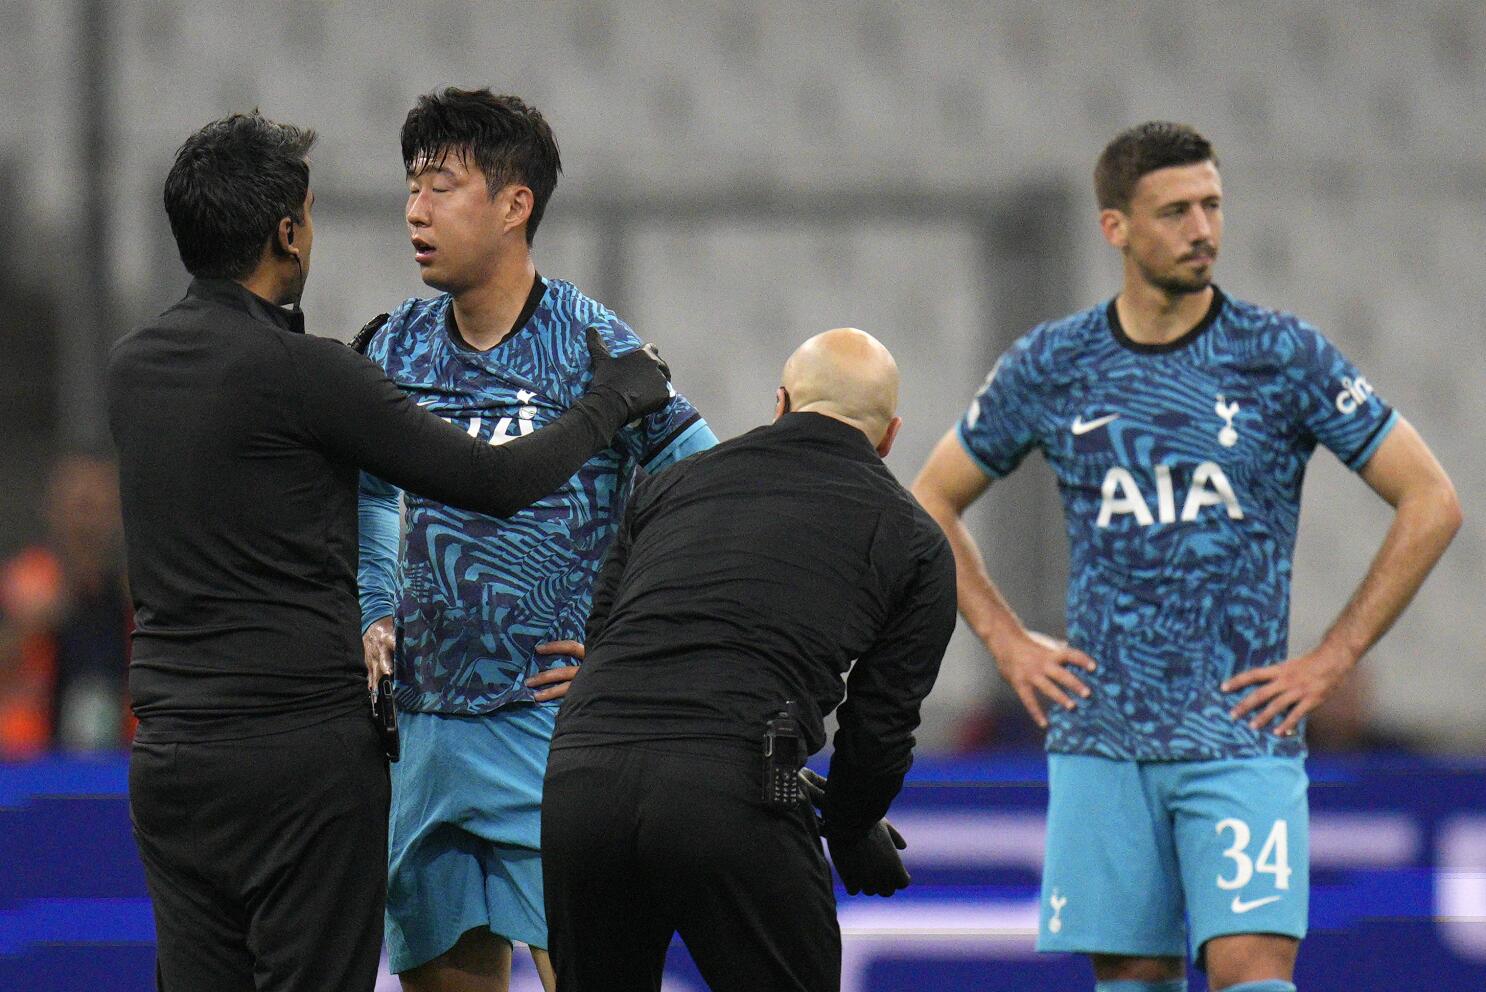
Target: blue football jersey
point(1180, 469)
point(474, 595)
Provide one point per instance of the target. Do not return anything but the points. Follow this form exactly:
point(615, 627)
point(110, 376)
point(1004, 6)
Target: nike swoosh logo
point(1082, 426)
point(1239, 906)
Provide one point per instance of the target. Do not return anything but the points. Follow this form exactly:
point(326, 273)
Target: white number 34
point(1274, 856)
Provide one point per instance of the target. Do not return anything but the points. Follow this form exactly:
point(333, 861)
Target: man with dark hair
point(258, 785)
point(1179, 421)
point(489, 613)
point(750, 589)
point(231, 183)
point(1142, 150)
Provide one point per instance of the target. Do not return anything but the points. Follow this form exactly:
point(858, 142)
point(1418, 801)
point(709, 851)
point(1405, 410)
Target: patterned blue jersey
point(475, 594)
point(1180, 468)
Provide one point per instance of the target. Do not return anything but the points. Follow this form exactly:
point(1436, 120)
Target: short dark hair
point(231, 184)
point(509, 140)
point(1143, 149)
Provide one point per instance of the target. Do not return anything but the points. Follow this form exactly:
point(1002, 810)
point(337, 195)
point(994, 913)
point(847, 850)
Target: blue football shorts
point(465, 831)
point(1156, 858)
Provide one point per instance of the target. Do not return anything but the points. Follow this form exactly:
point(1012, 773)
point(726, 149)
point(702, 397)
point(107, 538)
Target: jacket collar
point(819, 427)
point(234, 296)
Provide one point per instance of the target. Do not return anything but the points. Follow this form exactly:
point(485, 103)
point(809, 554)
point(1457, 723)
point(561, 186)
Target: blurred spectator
point(65, 620)
point(1346, 724)
point(999, 723)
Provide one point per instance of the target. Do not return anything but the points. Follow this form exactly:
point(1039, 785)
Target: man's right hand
point(377, 645)
point(872, 865)
point(639, 376)
point(1034, 664)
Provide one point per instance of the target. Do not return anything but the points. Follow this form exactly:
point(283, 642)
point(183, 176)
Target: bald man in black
point(746, 582)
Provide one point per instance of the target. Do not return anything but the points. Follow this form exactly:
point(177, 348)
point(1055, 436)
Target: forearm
point(505, 479)
point(1423, 525)
point(359, 416)
point(865, 776)
point(987, 612)
point(885, 691)
point(379, 539)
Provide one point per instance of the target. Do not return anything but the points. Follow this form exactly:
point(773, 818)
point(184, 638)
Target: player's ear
point(282, 241)
point(781, 402)
point(1114, 224)
point(889, 436)
point(518, 205)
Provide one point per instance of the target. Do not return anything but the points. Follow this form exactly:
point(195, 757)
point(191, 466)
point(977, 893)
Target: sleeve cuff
point(980, 462)
point(691, 437)
point(373, 610)
point(1374, 441)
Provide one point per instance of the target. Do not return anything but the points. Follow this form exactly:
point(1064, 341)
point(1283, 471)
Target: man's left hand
point(1293, 687)
point(553, 683)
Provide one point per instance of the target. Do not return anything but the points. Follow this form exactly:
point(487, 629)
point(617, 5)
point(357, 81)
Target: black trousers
point(640, 842)
point(266, 858)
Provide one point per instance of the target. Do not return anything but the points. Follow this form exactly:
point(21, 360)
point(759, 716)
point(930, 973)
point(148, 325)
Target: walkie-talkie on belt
point(784, 753)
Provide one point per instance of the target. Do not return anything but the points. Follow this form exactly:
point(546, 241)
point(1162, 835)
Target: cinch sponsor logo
point(1210, 487)
point(1353, 395)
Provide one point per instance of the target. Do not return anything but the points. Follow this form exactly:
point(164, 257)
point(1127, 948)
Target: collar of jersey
point(523, 320)
point(235, 296)
point(1112, 314)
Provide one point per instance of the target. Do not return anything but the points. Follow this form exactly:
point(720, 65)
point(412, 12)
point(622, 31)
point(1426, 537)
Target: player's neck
point(272, 281)
point(1149, 315)
point(486, 312)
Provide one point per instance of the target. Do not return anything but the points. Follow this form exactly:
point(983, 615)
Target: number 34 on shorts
point(1273, 859)
point(1137, 850)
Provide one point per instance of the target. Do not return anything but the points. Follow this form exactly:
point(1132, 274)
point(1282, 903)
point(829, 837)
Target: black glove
point(870, 865)
point(639, 377)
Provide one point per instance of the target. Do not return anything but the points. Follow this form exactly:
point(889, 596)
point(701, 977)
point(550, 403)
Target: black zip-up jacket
point(760, 572)
point(240, 439)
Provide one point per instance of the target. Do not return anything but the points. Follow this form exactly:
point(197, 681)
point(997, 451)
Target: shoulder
point(415, 316)
point(572, 309)
point(1077, 330)
point(362, 338)
point(1049, 347)
point(920, 554)
point(314, 350)
point(403, 332)
point(926, 536)
point(1276, 335)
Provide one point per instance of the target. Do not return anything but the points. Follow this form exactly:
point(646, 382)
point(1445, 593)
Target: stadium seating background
point(741, 175)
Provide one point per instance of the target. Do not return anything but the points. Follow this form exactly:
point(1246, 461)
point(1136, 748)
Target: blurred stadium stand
point(740, 175)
